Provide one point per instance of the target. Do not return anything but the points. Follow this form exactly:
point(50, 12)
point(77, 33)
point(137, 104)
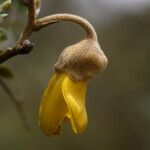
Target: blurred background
point(118, 100)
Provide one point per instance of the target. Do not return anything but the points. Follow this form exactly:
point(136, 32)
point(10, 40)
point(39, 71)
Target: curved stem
point(29, 25)
point(45, 21)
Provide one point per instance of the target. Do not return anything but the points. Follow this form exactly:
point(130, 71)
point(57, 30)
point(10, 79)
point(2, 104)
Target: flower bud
point(82, 60)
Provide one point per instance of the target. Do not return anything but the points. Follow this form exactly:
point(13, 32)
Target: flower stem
point(45, 21)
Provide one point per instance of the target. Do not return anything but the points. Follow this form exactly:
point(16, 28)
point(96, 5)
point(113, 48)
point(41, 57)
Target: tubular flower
point(64, 97)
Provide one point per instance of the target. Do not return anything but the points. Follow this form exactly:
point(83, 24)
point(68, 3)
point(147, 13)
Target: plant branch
point(30, 23)
point(17, 104)
point(23, 46)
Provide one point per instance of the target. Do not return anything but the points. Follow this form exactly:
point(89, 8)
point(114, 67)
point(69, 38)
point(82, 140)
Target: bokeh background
point(118, 100)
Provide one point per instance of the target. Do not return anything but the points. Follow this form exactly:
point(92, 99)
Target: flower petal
point(53, 107)
point(74, 95)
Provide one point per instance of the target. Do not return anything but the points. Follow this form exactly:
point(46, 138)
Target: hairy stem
point(45, 21)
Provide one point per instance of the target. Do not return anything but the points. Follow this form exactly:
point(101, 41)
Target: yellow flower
point(63, 99)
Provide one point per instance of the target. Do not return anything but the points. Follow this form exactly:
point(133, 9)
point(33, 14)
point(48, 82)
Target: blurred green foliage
point(3, 34)
point(4, 6)
point(5, 72)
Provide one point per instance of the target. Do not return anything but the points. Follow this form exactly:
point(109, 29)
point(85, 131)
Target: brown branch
point(30, 23)
point(17, 104)
point(23, 46)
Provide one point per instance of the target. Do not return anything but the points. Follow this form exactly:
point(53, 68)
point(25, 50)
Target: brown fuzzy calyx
point(82, 60)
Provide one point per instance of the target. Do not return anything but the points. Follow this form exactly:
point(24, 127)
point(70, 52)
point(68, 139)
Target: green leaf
point(5, 72)
point(3, 34)
point(3, 15)
point(5, 4)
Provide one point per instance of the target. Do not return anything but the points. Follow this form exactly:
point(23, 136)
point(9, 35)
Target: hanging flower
point(64, 97)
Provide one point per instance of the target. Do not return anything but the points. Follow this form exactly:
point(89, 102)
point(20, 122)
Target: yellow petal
point(53, 107)
point(74, 95)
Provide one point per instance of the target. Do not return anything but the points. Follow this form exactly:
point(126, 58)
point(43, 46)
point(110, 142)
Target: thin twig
point(30, 23)
point(17, 104)
point(23, 46)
